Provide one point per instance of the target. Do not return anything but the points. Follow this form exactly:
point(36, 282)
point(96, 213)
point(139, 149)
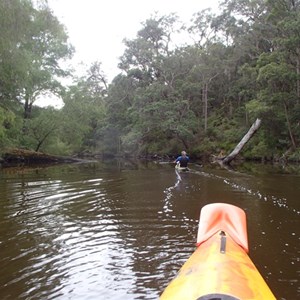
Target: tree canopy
point(202, 96)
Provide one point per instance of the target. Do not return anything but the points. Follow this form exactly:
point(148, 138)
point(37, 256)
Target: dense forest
point(243, 64)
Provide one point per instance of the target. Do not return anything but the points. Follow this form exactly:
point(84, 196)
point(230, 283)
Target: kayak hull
point(181, 169)
point(219, 269)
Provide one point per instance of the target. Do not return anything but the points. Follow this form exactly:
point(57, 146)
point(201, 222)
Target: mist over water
point(116, 230)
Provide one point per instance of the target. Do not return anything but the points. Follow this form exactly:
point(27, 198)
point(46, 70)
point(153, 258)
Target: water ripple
point(85, 234)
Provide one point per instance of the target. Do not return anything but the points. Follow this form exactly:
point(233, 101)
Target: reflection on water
point(122, 231)
point(169, 193)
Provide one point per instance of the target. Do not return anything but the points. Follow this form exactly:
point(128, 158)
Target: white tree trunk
point(255, 126)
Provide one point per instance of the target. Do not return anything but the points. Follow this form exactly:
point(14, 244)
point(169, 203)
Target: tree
point(152, 70)
point(278, 71)
point(49, 46)
point(42, 128)
point(32, 43)
point(255, 126)
point(84, 112)
point(14, 20)
point(151, 45)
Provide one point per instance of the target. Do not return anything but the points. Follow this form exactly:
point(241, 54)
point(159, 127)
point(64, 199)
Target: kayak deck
point(182, 169)
point(220, 267)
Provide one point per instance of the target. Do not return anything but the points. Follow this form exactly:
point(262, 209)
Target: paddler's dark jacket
point(183, 160)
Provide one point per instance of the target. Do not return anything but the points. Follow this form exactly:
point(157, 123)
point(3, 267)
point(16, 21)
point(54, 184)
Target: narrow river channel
point(121, 230)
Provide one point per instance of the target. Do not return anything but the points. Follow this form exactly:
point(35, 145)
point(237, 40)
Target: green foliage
point(42, 129)
point(32, 42)
point(206, 147)
point(130, 142)
point(201, 97)
point(58, 147)
point(84, 113)
point(295, 156)
point(258, 150)
point(257, 108)
point(238, 81)
point(7, 120)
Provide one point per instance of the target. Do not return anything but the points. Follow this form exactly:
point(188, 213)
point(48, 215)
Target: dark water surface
point(122, 231)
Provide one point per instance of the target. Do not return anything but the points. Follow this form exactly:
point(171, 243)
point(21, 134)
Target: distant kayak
point(220, 268)
point(182, 169)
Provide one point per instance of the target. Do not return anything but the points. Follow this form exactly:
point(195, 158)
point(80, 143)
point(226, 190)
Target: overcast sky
point(96, 28)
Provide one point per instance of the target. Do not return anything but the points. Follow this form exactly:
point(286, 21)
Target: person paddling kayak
point(183, 160)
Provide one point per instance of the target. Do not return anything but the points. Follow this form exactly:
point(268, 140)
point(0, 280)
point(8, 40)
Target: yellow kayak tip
point(220, 268)
point(181, 169)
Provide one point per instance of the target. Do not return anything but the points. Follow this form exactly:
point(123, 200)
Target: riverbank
point(16, 156)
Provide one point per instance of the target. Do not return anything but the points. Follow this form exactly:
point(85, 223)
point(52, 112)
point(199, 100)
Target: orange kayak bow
point(220, 268)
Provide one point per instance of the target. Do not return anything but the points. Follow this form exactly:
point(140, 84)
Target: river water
point(121, 230)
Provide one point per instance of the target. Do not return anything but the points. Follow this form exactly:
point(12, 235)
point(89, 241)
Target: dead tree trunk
point(255, 126)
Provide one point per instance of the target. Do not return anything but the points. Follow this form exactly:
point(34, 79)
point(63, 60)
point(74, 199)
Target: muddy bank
point(13, 157)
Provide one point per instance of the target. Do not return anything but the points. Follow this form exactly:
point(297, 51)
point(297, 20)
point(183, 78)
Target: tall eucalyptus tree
point(278, 70)
point(32, 44)
point(148, 60)
point(84, 113)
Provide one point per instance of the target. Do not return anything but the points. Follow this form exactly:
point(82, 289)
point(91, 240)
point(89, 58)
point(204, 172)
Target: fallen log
point(255, 126)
